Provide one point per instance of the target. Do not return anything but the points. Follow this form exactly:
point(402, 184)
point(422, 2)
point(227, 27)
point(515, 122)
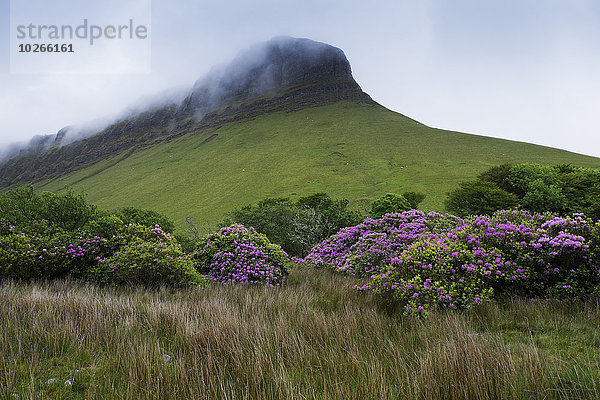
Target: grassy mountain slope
point(345, 149)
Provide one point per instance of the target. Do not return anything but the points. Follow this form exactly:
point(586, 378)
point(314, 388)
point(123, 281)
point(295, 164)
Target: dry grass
point(315, 338)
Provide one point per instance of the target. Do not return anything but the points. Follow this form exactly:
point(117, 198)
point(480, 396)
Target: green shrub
point(521, 176)
point(149, 218)
point(151, 264)
point(296, 226)
point(271, 217)
point(389, 203)
point(562, 190)
point(479, 197)
point(67, 211)
point(414, 199)
point(543, 197)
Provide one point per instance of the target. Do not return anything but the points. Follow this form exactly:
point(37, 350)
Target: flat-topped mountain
point(300, 67)
point(284, 73)
point(285, 118)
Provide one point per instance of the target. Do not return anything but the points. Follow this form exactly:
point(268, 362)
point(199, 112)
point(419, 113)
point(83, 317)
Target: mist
point(257, 70)
point(519, 70)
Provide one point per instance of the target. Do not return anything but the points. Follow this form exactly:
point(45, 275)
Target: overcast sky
point(526, 70)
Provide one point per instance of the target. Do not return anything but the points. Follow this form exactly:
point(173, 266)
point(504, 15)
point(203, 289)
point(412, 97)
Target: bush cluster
point(296, 226)
point(420, 260)
point(561, 189)
point(50, 236)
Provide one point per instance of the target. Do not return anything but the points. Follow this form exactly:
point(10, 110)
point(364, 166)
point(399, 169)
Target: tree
point(521, 175)
point(68, 211)
point(389, 203)
point(479, 197)
point(133, 215)
point(271, 217)
point(541, 197)
point(414, 198)
point(284, 222)
point(309, 227)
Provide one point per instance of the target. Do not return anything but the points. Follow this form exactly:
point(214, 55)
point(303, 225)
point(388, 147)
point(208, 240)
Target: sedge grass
point(314, 338)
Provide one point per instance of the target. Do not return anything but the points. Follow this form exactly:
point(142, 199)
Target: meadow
point(103, 304)
point(312, 338)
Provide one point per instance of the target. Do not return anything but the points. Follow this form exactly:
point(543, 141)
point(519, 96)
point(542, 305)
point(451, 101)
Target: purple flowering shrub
point(362, 249)
point(106, 250)
point(368, 253)
point(420, 260)
point(552, 253)
point(26, 255)
point(442, 271)
point(236, 254)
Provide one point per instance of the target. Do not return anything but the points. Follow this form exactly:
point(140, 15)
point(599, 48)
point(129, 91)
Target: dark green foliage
point(521, 176)
point(479, 197)
point(296, 226)
point(498, 175)
point(271, 217)
point(67, 211)
point(317, 200)
point(389, 203)
point(543, 197)
point(334, 212)
point(149, 218)
point(150, 264)
point(414, 199)
point(562, 190)
point(49, 236)
point(581, 187)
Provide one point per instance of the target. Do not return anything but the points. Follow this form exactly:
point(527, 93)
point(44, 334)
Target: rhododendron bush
point(237, 254)
point(421, 260)
point(106, 250)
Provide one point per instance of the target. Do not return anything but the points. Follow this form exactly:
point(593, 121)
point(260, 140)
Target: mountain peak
point(282, 64)
point(282, 74)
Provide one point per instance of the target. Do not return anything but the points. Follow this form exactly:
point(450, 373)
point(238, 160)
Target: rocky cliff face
point(272, 68)
point(281, 74)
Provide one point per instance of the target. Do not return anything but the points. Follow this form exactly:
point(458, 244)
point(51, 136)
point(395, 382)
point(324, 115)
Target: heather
point(418, 261)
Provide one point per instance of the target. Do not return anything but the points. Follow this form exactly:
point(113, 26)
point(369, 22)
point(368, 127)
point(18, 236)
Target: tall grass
point(314, 338)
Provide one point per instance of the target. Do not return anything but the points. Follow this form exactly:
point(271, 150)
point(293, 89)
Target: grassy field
point(345, 149)
point(314, 338)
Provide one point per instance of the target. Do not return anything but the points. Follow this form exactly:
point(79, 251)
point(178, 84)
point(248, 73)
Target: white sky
point(525, 70)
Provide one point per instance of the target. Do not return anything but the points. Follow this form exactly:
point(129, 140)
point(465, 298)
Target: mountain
point(284, 118)
point(282, 74)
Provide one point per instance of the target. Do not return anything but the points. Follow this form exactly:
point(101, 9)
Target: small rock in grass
point(68, 382)
point(166, 357)
point(50, 381)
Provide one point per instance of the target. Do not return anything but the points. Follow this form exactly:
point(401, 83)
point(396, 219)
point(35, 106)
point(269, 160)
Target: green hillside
point(345, 149)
